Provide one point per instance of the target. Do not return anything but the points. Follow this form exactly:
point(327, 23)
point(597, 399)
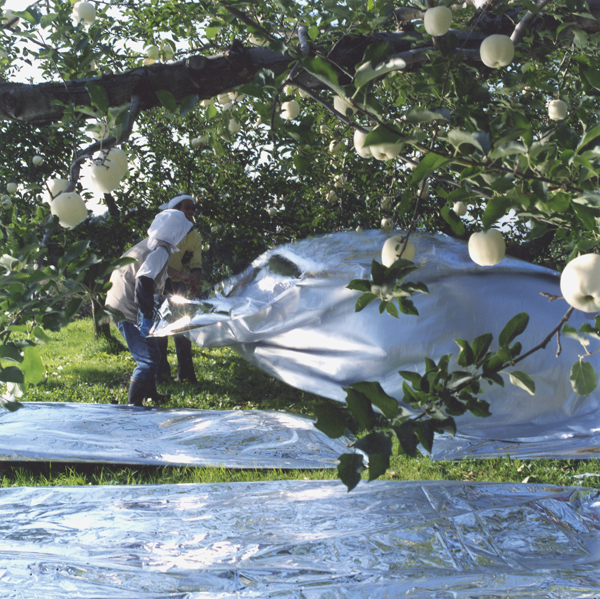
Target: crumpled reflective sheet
point(291, 315)
point(301, 539)
point(570, 447)
point(114, 434)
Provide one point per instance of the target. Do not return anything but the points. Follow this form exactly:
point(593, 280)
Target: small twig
point(546, 340)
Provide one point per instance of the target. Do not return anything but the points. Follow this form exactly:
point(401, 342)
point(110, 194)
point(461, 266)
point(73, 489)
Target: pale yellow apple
point(359, 140)
point(393, 249)
point(437, 20)
point(53, 188)
point(580, 283)
point(106, 175)
point(70, 209)
point(291, 108)
point(234, 127)
point(487, 248)
point(497, 51)
point(557, 110)
point(84, 11)
point(460, 208)
point(37, 160)
point(11, 187)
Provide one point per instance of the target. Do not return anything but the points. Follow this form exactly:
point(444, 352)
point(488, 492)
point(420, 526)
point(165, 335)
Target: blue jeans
point(145, 352)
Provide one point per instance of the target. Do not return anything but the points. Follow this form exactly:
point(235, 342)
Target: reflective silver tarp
point(291, 315)
point(301, 539)
point(113, 434)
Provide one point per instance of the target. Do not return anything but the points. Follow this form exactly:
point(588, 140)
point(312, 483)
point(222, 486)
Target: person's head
point(184, 203)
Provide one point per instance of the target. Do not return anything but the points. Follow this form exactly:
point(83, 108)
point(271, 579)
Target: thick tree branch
point(209, 76)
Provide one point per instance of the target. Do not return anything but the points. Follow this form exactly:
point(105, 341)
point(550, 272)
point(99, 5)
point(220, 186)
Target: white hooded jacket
point(131, 289)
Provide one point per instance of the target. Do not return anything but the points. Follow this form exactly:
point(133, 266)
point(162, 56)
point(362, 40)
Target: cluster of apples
point(106, 174)
point(495, 51)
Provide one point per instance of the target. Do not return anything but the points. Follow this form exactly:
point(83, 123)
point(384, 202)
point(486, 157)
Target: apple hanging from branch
point(580, 283)
point(393, 249)
point(70, 209)
point(487, 248)
point(497, 51)
point(437, 20)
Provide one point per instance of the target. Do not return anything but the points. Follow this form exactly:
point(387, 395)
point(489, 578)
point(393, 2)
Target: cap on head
point(173, 203)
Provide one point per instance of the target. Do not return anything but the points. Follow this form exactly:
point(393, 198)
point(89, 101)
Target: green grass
point(80, 369)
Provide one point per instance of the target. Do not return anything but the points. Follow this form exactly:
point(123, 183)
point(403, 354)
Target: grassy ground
point(80, 369)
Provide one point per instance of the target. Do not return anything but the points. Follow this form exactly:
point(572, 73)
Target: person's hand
point(146, 326)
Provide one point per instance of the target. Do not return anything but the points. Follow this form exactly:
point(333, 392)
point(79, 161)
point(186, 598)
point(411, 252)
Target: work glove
point(145, 327)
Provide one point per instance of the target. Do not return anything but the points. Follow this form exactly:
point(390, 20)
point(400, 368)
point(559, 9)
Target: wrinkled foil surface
point(302, 539)
point(291, 315)
point(114, 434)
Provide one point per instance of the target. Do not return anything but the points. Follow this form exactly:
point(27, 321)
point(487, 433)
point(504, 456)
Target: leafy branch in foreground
point(387, 284)
point(435, 398)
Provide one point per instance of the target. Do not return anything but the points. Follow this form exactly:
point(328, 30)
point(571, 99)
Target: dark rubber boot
point(164, 368)
point(153, 394)
point(185, 364)
point(136, 393)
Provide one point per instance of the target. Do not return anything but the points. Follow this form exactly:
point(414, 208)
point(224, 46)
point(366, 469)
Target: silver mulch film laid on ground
point(301, 539)
point(112, 434)
point(291, 314)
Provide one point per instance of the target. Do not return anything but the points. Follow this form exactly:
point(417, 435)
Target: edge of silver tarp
point(560, 447)
point(303, 539)
point(114, 434)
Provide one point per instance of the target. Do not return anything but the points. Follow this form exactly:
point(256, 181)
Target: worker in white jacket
point(132, 294)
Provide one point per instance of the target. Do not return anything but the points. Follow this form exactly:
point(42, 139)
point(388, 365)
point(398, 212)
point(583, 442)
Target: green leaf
point(422, 115)
point(324, 72)
point(188, 104)
point(363, 301)
point(378, 397)
point(381, 135)
point(495, 209)
point(330, 420)
point(465, 357)
point(98, 96)
point(11, 352)
point(73, 253)
point(480, 346)
point(10, 404)
point(479, 140)
point(583, 378)
point(359, 285)
point(406, 435)
point(12, 374)
point(424, 431)
point(522, 380)
point(392, 310)
point(350, 468)
point(167, 99)
point(378, 446)
point(588, 137)
point(453, 220)
point(360, 408)
point(508, 149)
point(479, 407)
point(32, 367)
point(212, 32)
point(592, 75)
point(414, 378)
point(513, 328)
point(427, 165)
